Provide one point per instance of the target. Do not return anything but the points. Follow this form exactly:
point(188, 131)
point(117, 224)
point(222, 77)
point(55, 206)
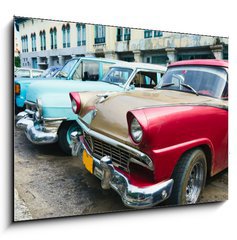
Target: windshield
point(201, 80)
point(50, 72)
point(67, 68)
point(118, 76)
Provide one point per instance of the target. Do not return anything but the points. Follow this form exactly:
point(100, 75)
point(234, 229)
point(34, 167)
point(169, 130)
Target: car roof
point(135, 65)
point(34, 69)
point(98, 59)
point(206, 62)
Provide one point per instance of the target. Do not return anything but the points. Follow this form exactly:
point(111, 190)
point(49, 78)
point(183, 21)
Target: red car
point(161, 144)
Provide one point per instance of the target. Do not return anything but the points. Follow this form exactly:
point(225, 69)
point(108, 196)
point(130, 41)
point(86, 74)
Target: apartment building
point(45, 43)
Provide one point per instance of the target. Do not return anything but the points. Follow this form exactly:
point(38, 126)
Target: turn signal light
point(17, 88)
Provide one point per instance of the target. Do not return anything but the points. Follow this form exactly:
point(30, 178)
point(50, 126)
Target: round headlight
point(74, 106)
point(136, 130)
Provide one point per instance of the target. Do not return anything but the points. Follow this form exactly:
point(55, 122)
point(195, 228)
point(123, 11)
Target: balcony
point(100, 40)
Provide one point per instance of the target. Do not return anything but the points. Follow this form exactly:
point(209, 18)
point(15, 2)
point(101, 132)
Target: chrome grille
point(120, 157)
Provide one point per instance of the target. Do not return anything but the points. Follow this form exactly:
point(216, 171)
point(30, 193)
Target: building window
point(158, 34)
point(24, 40)
point(119, 34)
point(42, 40)
point(127, 34)
point(123, 34)
point(66, 35)
point(99, 34)
point(53, 38)
point(33, 42)
point(147, 33)
point(81, 34)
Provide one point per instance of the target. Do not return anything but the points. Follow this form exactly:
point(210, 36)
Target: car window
point(91, 70)
point(23, 73)
point(144, 79)
point(117, 75)
point(205, 80)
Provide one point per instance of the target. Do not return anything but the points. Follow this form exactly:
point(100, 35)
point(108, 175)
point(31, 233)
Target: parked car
point(160, 144)
point(68, 72)
point(51, 71)
point(27, 73)
point(48, 116)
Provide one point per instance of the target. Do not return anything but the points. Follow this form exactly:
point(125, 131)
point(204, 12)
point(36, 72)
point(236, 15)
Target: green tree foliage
point(17, 61)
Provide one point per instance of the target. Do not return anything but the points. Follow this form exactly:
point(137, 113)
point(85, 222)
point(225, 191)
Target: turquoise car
point(68, 72)
point(49, 118)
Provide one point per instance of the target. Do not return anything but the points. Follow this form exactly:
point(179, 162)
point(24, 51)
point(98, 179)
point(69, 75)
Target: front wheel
point(189, 178)
point(64, 134)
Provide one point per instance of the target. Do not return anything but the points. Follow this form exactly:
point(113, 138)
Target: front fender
point(165, 159)
point(57, 106)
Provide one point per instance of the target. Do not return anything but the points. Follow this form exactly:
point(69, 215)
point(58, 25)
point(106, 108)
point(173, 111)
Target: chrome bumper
point(132, 196)
point(38, 133)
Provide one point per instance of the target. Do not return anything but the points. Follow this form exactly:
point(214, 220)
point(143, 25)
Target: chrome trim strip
point(54, 119)
point(224, 107)
point(30, 103)
point(143, 157)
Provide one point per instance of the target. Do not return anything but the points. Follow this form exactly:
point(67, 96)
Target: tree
point(17, 61)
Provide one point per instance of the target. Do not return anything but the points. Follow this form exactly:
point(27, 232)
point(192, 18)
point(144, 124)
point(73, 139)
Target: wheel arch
point(208, 154)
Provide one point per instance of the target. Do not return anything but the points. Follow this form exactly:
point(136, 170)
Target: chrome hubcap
point(195, 182)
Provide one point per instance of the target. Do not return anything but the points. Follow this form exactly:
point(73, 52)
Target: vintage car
point(161, 144)
point(28, 73)
point(69, 72)
point(51, 71)
point(48, 117)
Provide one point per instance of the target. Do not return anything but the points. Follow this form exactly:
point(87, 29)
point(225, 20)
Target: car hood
point(110, 118)
point(31, 80)
point(57, 94)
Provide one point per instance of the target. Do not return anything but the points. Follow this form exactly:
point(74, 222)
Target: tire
point(189, 178)
point(64, 133)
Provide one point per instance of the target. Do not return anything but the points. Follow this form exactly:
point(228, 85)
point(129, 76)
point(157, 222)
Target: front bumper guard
point(35, 131)
point(131, 195)
point(37, 136)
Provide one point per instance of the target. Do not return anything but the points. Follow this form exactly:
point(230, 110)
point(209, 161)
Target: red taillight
point(76, 102)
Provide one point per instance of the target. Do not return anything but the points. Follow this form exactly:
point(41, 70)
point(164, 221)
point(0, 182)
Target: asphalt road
point(49, 184)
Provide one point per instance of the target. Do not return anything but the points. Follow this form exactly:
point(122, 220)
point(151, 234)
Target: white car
point(28, 73)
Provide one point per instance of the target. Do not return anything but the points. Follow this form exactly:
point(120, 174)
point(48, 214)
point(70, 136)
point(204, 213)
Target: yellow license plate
point(87, 161)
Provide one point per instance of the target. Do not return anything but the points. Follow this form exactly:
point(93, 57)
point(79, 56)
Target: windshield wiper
point(166, 85)
point(189, 87)
point(113, 83)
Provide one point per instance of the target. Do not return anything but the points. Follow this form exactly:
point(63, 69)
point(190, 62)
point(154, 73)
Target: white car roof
point(145, 66)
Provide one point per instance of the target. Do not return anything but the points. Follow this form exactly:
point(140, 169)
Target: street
point(51, 184)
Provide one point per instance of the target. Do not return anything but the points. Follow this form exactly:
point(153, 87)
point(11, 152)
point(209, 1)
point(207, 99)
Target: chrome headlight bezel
point(74, 105)
point(136, 130)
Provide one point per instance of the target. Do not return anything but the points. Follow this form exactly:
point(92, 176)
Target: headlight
point(39, 107)
point(136, 130)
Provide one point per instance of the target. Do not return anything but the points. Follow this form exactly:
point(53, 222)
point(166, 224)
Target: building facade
point(46, 43)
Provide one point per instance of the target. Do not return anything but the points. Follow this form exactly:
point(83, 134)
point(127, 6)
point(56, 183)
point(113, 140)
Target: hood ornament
point(102, 97)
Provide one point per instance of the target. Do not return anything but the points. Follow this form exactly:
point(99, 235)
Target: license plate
point(87, 161)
